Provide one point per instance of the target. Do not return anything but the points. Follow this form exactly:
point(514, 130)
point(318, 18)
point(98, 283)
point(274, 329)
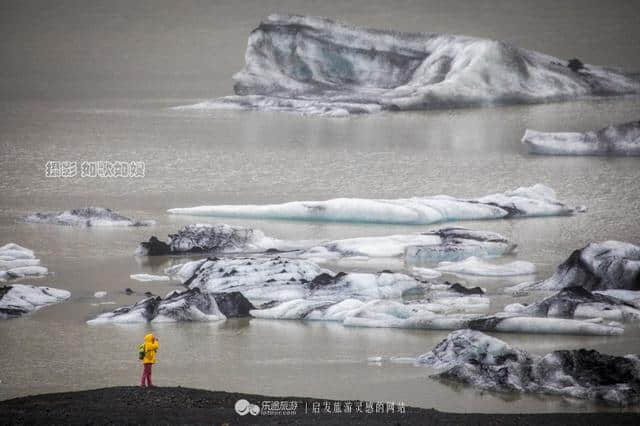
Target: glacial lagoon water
point(226, 157)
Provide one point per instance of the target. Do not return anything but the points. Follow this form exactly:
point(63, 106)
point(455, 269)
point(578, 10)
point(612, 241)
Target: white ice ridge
point(19, 262)
point(149, 277)
point(475, 266)
point(621, 139)
point(315, 65)
point(86, 216)
point(607, 265)
point(440, 313)
point(20, 299)
point(536, 200)
point(488, 363)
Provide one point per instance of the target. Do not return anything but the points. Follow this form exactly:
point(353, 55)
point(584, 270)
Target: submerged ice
point(318, 66)
point(621, 139)
point(489, 363)
point(86, 216)
point(536, 200)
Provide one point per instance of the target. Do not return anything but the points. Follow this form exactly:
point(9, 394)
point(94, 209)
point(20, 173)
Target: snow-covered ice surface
point(86, 216)
point(20, 299)
point(598, 266)
point(620, 139)
point(488, 363)
point(536, 200)
point(149, 277)
point(218, 238)
point(475, 266)
point(577, 302)
point(189, 305)
point(19, 262)
point(315, 65)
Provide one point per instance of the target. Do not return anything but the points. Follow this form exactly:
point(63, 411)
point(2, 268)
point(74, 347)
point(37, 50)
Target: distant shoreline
point(177, 405)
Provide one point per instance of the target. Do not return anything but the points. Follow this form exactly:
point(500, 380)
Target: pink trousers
point(146, 375)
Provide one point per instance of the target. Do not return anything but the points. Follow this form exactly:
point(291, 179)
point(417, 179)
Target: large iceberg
point(488, 363)
point(85, 216)
point(476, 266)
point(280, 279)
point(318, 66)
point(621, 139)
point(20, 299)
point(598, 266)
point(189, 305)
point(536, 200)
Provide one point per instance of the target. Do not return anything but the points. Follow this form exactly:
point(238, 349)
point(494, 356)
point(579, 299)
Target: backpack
point(141, 352)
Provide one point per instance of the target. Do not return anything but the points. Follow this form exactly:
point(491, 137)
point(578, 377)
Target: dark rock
point(575, 65)
point(459, 288)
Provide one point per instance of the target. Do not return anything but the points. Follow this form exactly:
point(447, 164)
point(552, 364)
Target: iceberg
point(314, 65)
point(607, 265)
point(488, 363)
point(576, 302)
point(536, 200)
point(86, 216)
point(280, 279)
point(218, 238)
point(149, 277)
point(19, 262)
point(188, 305)
point(476, 266)
point(621, 139)
point(20, 299)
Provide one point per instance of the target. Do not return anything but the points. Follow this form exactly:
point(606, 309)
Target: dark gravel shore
point(132, 405)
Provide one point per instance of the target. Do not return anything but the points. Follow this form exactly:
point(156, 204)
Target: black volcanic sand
point(165, 405)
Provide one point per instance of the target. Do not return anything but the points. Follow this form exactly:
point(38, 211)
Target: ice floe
point(488, 363)
point(149, 277)
point(218, 238)
point(579, 303)
point(19, 262)
point(475, 266)
point(314, 65)
point(536, 200)
point(99, 294)
point(598, 266)
point(621, 139)
point(20, 299)
point(189, 305)
point(85, 216)
point(281, 279)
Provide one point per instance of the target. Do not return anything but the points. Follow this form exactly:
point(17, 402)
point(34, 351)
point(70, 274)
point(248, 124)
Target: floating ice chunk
point(577, 302)
point(629, 296)
point(19, 262)
point(621, 139)
point(99, 294)
point(475, 266)
point(20, 299)
point(292, 309)
point(537, 200)
point(189, 305)
point(15, 263)
point(282, 279)
point(598, 266)
point(149, 277)
point(488, 363)
point(315, 65)
point(86, 216)
point(219, 238)
point(24, 271)
point(426, 273)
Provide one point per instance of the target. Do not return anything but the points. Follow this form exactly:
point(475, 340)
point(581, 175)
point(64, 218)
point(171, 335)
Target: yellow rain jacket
point(150, 348)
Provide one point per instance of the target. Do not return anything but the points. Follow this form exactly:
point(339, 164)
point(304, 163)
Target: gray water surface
point(98, 83)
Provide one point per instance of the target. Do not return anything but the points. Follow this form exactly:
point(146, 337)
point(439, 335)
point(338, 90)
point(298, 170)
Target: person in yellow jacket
point(150, 349)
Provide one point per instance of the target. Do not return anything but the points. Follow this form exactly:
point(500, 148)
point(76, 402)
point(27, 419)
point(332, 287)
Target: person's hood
point(148, 338)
